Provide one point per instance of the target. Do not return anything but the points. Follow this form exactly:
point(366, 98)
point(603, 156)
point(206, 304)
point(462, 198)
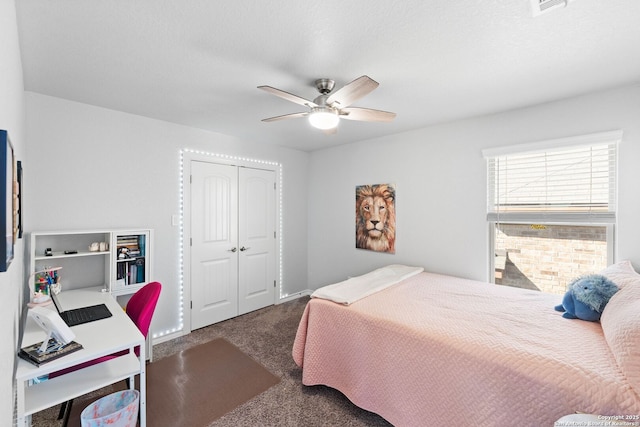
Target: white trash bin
point(119, 409)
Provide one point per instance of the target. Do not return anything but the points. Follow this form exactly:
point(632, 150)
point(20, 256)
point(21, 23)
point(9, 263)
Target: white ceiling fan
point(328, 108)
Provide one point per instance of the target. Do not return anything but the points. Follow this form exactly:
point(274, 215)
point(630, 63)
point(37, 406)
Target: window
point(551, 207)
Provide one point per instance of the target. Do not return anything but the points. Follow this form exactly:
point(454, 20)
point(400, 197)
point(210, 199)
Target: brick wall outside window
point(547, 257)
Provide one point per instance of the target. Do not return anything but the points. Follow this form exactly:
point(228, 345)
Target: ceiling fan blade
point(286, 116)
point(288, 96)
point(366, 114)
point(351, 92)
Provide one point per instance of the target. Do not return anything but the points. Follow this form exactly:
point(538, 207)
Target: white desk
point(98, 338)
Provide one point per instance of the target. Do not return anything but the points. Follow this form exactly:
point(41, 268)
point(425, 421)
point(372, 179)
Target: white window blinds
point(568, 180)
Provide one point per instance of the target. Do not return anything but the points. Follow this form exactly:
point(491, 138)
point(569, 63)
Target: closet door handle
point(244, 249)
point(232, 250)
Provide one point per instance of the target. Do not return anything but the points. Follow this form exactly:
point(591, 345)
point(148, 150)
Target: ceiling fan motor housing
point(325, 86)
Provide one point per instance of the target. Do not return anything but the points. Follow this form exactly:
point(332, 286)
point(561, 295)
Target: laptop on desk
point(81, 315)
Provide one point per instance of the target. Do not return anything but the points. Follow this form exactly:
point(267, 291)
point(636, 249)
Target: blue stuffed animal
point(586, 298)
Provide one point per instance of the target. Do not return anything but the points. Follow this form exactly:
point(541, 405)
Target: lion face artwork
point(376, 217)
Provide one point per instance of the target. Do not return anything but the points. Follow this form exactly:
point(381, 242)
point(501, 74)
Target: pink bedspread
point(436, 350)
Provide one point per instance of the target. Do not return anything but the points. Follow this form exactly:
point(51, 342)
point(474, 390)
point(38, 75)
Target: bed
point(436, 350)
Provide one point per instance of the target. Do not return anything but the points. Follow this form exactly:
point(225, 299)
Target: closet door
point(233, 241)
point(257, 237)
point(214, 237)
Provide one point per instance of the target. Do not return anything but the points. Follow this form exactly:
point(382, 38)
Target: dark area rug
point(197, 386)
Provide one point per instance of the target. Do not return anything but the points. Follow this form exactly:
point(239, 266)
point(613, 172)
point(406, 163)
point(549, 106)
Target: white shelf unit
point(79, 270)
point(85, 268)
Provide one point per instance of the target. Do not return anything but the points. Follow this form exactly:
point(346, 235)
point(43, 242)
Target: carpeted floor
point(267, 336)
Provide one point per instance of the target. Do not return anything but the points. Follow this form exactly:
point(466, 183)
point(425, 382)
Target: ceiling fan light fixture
point(323, 118)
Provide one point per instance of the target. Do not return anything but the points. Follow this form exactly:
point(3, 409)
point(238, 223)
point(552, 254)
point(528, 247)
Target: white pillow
point(620, 320)
point(622, 274)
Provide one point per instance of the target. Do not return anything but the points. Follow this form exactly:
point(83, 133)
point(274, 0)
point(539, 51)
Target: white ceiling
point(198, 62)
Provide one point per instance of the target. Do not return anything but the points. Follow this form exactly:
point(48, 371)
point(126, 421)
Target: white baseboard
point(168, 337)
point(297, 295)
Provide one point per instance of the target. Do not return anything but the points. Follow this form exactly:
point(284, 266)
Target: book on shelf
point(33, 355)
point(131, 272)
point(128, 244)
point(133, 243)
point(130, 237)
point(140, 270)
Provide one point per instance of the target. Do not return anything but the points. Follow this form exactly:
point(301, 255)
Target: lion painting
point(376, 217)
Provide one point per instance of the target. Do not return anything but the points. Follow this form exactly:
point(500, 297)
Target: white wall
point(91, 167)
point(440, 178)
point(11, 120)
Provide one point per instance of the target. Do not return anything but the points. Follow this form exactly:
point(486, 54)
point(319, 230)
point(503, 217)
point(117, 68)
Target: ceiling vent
point(542, 6)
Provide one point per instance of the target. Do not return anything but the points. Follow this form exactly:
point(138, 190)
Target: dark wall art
point(8, 199)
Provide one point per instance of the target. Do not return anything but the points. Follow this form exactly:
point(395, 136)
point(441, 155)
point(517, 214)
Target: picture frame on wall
point(18, 209)
point(8, 200)
point(376, 217)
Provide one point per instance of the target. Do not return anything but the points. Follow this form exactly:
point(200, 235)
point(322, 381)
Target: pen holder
point(47, 280)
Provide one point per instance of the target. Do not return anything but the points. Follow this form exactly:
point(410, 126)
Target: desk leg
point(20, 409)
point(143, 387)
point(21, 396)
